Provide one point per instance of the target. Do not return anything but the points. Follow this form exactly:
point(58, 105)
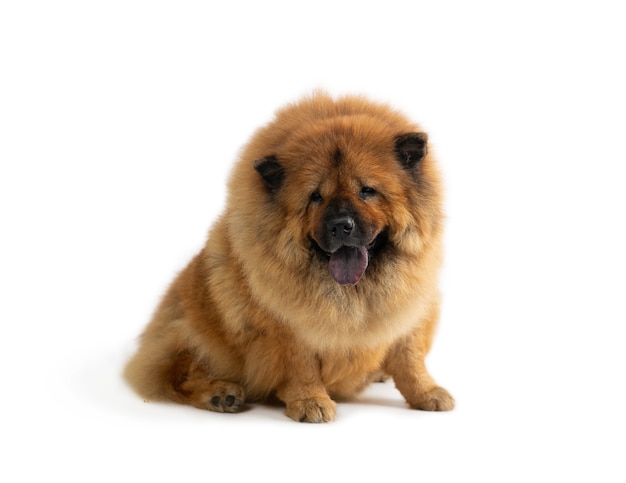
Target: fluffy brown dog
point(321, 273)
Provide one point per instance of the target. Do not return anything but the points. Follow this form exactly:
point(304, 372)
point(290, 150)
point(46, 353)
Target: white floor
point(84, 424)
point(118, 125)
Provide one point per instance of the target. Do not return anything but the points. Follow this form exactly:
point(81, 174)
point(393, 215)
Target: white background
point(119, 122)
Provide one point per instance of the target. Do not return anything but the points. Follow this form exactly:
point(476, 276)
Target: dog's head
point(347, 189)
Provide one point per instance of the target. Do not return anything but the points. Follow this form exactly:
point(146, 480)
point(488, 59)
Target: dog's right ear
point(271, 172)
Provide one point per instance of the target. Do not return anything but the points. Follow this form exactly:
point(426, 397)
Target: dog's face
point(347, 191)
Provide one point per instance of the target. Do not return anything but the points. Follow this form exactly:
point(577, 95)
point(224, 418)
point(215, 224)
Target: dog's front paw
point(314, 410)
point(437, 399)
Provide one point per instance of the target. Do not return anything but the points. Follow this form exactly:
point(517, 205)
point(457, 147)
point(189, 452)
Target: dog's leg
point(160, 372)
point(303, 391)
point(405, 363)
point(191, 382)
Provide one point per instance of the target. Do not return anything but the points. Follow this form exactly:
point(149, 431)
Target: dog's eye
point(367, 192)
point(316, 197)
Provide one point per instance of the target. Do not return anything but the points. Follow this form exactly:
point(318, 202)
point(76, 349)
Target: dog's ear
point(411, 148)
point(271, 172)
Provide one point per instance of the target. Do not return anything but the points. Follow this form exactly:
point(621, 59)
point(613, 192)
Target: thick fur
point(256, 314)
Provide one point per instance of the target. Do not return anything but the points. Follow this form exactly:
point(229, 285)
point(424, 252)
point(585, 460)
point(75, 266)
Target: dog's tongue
point(347, 265)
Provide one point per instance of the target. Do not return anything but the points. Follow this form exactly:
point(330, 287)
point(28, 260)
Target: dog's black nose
point(341, 227)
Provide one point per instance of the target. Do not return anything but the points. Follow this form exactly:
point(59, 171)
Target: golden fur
point(257, 313)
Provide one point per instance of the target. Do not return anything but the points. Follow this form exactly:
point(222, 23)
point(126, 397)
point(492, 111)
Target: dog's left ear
point(271, 172)
point(411, 148)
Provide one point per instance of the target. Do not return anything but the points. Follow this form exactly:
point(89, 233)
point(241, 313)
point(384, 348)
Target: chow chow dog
point(319, 277)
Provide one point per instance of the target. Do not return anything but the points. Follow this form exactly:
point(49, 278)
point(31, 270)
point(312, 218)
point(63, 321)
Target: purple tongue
point(347, 265)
